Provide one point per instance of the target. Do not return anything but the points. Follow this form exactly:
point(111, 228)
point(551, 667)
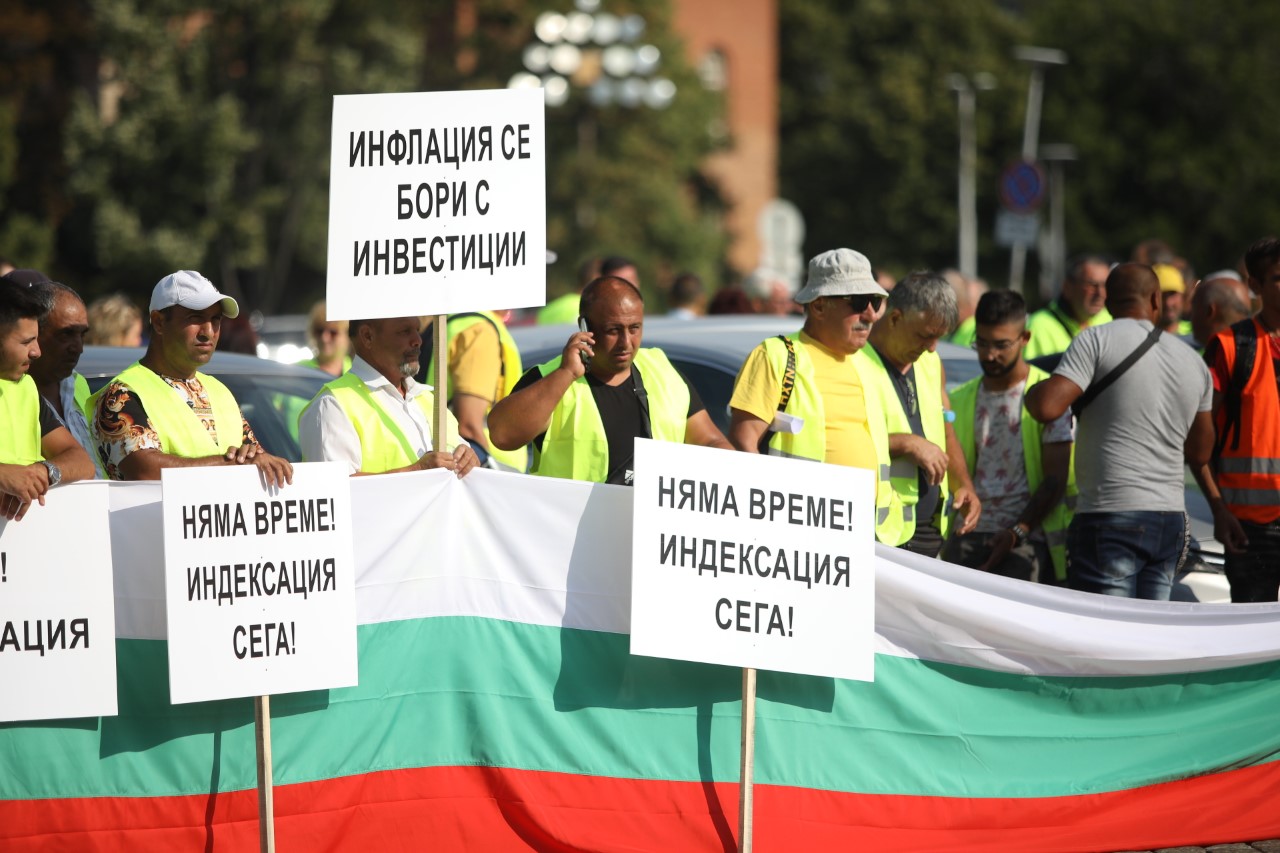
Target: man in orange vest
point(1246, 410)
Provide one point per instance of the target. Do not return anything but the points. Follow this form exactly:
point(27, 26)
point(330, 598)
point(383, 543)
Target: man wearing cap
point(375, 418)
point(823, 413)
point(584, 409)
point(1173, 290)
point(1082, 304)
point(927, 466)
point(161, 412)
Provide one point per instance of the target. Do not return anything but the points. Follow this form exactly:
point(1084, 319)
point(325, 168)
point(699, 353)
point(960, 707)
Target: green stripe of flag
point(461, 691)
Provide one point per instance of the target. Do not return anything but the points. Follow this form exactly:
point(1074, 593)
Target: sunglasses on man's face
point(859, 302)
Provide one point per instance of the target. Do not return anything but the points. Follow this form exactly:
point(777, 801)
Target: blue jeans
point(1131, 554)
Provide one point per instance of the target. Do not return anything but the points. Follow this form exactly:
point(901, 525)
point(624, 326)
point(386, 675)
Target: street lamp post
point(599, 53)
point(1056, 156)
point(966, 103)
point(1039, 58)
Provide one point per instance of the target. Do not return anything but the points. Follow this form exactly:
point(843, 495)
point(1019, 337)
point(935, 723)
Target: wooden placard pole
point(440, 421)
point(746, 792)
point(266, 795)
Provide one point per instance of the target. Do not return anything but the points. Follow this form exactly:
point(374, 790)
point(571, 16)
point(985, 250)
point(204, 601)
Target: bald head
point(1133, 291)
point(610, 291)
point(1216, 304)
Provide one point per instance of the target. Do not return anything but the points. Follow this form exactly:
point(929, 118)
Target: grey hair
point(928, 293)
point(47, 292)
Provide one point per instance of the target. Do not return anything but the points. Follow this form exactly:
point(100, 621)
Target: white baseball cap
point(190, 290)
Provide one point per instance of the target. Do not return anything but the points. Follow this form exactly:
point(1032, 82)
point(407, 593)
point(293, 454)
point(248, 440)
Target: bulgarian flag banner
point(498, 708)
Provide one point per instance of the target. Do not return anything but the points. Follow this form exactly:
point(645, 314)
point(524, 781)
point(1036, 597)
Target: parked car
point(282, 337)
point(270, 394)
point(709, 352)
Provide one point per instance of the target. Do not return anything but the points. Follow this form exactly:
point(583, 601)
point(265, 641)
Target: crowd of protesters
point(1063, 462)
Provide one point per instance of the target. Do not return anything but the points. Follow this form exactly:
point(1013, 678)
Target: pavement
point(1269, 846)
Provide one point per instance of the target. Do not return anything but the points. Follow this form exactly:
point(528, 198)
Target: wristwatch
point(55, 473)
point(1020, 533)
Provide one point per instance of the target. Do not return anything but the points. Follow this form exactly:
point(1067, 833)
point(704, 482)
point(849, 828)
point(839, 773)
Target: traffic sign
point(1022, 186)
point(1017, 229)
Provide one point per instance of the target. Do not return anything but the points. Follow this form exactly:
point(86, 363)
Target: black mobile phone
point(582, 327)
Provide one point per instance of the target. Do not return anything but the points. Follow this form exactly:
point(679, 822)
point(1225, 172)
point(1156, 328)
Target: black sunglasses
point(858, 302)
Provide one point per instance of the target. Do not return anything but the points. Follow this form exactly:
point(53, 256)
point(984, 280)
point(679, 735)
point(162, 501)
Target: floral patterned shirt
point(121, 425)
point(1001, 476)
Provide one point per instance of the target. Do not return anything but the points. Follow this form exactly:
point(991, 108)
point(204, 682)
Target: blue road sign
point(1022, 186)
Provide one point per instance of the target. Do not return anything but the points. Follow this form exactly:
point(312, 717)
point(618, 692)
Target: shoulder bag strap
point(1104, 383)
point(788, 385)
point(1245, 334)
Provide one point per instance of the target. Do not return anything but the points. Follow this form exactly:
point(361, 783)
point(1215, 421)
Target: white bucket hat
point(839, 272)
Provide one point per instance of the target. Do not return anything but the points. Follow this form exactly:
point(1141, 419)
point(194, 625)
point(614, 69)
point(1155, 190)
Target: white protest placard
point(259, 582)
point(57, 608)
point(437, 203)
point(753, 561)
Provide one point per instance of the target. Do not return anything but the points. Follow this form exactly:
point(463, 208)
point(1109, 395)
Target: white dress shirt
point(327, 435)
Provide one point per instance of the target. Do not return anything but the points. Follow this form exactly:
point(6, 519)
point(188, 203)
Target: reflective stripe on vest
point(810, 443)
point(903, 473)
point(20, 413)
point(180, 430)
point(964, 404)
point(1249, 474)
point(512, 370)
point(383, 445)
point(575, 446)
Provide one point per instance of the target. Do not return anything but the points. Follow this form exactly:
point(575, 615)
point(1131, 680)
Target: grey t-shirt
point(1129, 440)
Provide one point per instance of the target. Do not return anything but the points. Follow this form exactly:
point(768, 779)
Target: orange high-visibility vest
point(1248, 466)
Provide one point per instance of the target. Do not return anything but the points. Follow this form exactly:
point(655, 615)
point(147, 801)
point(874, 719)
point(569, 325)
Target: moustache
point(861, 327)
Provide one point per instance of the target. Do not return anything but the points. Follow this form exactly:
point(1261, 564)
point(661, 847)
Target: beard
point(995, 369)
point(409, 367)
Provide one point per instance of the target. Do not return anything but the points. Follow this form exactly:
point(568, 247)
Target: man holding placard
point(584, 409)
point(803, 395)
point(161, 412)
point(484, 364)
point(376, 418)
point(37, 451)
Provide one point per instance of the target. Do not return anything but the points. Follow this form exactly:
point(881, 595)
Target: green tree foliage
point(621, 181)
point(198, 137)
point(38, 39)
point(1169, 105)
point(205, 142)
point(869, 135)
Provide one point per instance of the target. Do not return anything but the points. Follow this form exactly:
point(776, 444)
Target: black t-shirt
point(49, 420)
point(905, 385)
point(620, 412)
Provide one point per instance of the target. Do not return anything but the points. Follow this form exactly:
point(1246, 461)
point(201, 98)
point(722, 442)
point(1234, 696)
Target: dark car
point(709, 352)
point(270, 394)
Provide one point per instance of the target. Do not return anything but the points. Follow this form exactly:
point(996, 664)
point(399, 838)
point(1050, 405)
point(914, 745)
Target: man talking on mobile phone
point(583, 410)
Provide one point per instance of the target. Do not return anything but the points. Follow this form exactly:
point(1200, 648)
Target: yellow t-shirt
point(758, 390)
point(475, 363)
